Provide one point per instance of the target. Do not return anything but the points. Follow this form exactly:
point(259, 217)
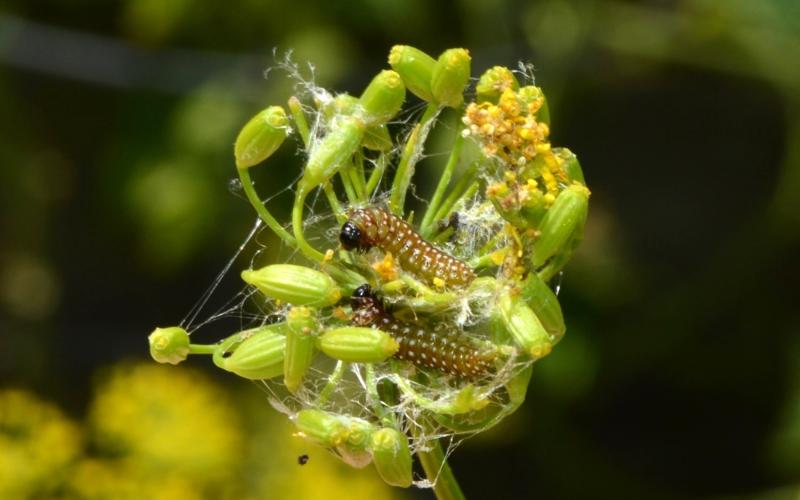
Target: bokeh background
point(679, 376)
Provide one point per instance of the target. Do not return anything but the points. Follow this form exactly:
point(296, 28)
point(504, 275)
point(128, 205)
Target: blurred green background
point(679, 376)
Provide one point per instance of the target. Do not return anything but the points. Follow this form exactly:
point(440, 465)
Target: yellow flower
point(37, 443)
point(167, 420)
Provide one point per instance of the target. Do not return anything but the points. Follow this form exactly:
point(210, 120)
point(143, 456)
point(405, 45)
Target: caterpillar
point(374, 227)
point(445, 351)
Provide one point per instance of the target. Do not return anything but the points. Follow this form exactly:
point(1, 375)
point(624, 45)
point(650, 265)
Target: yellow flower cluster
point(37, 445)
point(509, 130)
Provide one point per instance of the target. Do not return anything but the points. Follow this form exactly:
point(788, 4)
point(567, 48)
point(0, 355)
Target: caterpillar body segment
point(443, 350)
point(374, 227)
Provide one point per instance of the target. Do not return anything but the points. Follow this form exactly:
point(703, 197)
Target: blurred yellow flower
point(167, 421)
point(37, 443)
point(101, 480)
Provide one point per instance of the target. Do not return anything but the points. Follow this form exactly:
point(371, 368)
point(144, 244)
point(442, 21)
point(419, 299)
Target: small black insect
point(302, 459)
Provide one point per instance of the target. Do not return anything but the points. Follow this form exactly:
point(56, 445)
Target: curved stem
point(444, 180)
point(261, 209)
point(297, 227)
point(437, 469)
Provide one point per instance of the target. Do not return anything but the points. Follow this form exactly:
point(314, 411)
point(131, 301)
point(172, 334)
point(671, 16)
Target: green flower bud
point(563, 218)
point(392, 457)
point(260, 137)
point(571, 164)
point(493, 82)
point(354, 451)
point(297, 285)
point(358, 344)
point(320, 427)
point(415, 68)
point(301, 326)
point(523, 325)
point(383, 97)
point(376, 136)
point(450, 76)
point(169, 345)
point(332, 152)
point(541, 299)
point(530, 94)
point(258, 356)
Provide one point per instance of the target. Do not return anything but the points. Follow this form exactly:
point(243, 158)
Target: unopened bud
point(493, 82)
point(169, 345)
point(260, 137)
point(450, 76)
point(259, 356)
point(301, 325)
point(392, 457)
point(563, 218)
point(541, 299)
point(531, 94)
point(571, 165)
point(333, 151)
point(358, 344)
point(415, 68)
point(354, 451)
point(523, 325)
point(383, 97)
point(297, 285)
point(321, 427)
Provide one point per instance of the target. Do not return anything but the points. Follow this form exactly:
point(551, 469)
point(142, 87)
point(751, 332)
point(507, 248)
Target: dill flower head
point(384, 328)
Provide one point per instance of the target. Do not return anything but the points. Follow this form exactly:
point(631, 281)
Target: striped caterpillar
point(373, 227)
point(445, 351)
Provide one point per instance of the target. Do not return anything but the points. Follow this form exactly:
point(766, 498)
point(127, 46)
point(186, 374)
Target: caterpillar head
point(351, 237)
point(362, 297)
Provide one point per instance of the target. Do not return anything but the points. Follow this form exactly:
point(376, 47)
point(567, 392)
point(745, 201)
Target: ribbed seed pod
point(415, 68)
point(373, 227)
point(392, 457)
point(442, 350)
point(301, 326)
point(358, 345)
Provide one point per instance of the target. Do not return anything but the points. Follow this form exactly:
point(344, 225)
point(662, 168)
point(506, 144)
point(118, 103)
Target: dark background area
point(679, 376)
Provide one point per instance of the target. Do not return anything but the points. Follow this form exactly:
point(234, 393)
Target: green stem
point(333, 201)
point(261, 209)
point(462, 190)
point(411, 153)
point(296, 108)
point(333, 381)
point(444, 180)
point(377, 173)
point(202, 348)
point(297, 227)
point(385, 416)
point(349, 188)
point(437, 469)
point(358, 176)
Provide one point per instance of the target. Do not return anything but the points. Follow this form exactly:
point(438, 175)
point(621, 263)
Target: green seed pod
point(562, 219)
point(376, 136)
point(169, 345)
point(383, 98)
point(541, 299)
point(301, 326)
point(493, 82)
point(571, 164)
point(415, 68)
point(358, 344)
point(320, 427)
point(523, 325)
point(332, 152)
point(529, 94)
point(354, 451)
point(392, 457)
point(260, 137)
point(259, 356)
point(450, 76)
point(297, 285)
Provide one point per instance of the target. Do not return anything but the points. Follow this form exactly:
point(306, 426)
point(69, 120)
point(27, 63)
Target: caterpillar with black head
point(374, 227)
point(444, 350)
